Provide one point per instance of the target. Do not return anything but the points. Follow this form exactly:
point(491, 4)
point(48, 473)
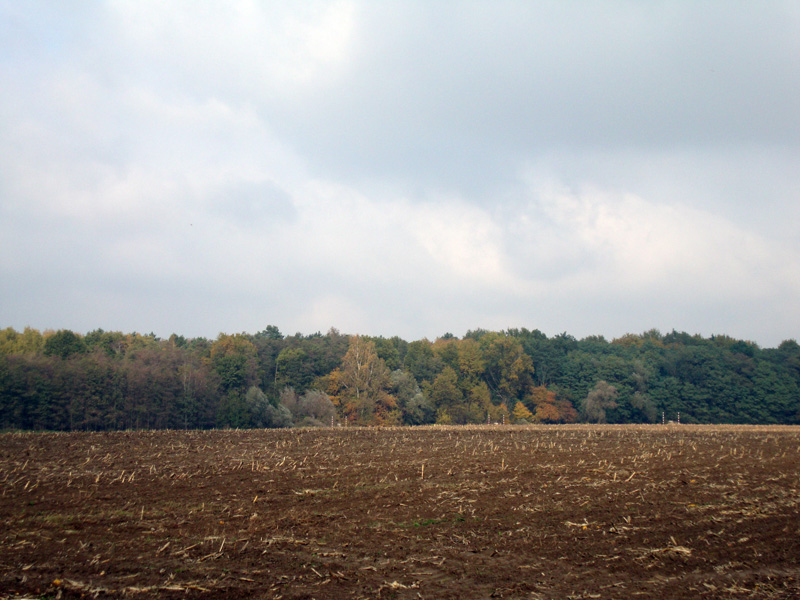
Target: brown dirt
point(485, 512)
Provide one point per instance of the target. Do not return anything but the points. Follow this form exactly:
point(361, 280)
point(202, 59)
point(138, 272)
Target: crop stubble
point(478, 512)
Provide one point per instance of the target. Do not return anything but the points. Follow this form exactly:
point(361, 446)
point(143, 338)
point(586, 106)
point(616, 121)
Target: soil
point(441, 512)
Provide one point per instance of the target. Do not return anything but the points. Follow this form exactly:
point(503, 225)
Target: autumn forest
point(67, 381)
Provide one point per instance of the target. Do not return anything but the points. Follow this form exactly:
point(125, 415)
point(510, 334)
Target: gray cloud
point(401, 168)
point(452, 92)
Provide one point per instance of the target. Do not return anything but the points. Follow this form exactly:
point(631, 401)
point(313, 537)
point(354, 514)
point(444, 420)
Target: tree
point(444, 391)
point(232, 411)
point(364, 395)
point(549, 406)
point(446, 350)
point(601, 398)
point(566, 411)
point(643, 403)
point(470, 361)
point(109, 380)
point(414, 406)
point(445, 395)
point(292, 369)
point(480, 398)
point(641, 400)
point(289, 400)
point(194, 396)
point(419, 410)
point(278, 416)
point(521, 414)
point(475, 408)
point(110, 342)
point(544, 402)
point(388, 350)
point(30, 341)
point(234, 360)
point(64, 343)
point(508, 370)
point(256, 403)
point(315, 409)
point(270, 332)
point(421, 361)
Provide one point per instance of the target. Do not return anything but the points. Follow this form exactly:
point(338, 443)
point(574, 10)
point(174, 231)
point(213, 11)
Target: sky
point(407, 168)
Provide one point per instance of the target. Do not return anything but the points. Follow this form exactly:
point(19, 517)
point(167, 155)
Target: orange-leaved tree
point(549, 408)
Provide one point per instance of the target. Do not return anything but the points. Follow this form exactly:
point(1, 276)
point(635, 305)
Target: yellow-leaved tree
point(360, 387)
point(521, 414)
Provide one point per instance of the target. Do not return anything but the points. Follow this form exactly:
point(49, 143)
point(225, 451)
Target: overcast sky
point(401, 168)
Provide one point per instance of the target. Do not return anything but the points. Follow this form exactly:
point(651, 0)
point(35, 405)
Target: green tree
point(257, 404)
point(508, 371)
point(270, 332)
point(601, 398)
point(421, 361)
point(64, 343)
point(234, 358)
point(414, 406)
point(445, 395)
point(292, 369)
point(232, 411)
point(470, 361)
point(110, 342)
point(315, 409)
point(444, 391)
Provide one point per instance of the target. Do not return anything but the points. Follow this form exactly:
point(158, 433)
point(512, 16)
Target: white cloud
point(642, 247)
point(333, 310)
point(242, 46)
point(462, 240)
point(400, 168)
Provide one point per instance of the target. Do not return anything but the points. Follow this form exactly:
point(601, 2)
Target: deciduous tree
point(601, 398)
point(508, 370)
point(365, 386)
point(521, 414)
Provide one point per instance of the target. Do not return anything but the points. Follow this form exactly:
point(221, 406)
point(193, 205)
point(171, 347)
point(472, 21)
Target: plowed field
point(486, 512)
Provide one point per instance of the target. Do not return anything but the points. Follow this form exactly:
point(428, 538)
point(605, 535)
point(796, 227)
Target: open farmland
point(504, 512)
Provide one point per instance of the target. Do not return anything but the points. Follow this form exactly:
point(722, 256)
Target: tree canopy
point(103, 380)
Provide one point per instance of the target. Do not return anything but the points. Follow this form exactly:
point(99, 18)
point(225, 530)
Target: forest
point(102, 380)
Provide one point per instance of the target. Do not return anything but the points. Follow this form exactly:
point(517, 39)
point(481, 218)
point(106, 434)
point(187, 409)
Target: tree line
point(66, 381)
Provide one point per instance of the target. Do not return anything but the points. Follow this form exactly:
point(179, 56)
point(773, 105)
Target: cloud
point(456, 98)
point(238, 46)
point(635, 261)
point(639, 244)
point(401, 168)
